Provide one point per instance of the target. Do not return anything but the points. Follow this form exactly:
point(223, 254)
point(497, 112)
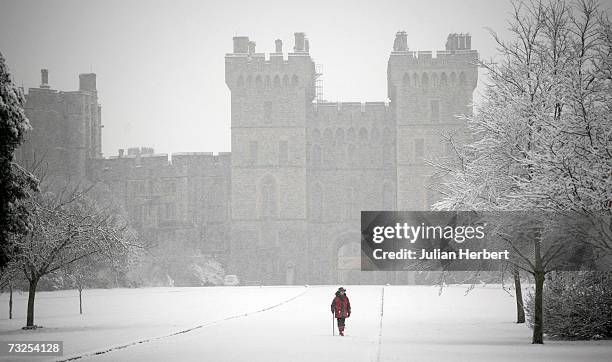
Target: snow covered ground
point(289, 323)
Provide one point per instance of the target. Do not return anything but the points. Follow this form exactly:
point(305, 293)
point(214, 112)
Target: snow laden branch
point(68, 228)
point(542, 136)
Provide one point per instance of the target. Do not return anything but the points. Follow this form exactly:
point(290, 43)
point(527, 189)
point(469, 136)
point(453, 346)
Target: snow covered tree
point(68, 226)
point(15, 182)
point(543, 134)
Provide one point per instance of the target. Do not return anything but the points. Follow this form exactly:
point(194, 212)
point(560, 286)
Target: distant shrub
point(577, 305)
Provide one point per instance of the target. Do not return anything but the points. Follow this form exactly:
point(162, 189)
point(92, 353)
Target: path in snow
point(417, 324)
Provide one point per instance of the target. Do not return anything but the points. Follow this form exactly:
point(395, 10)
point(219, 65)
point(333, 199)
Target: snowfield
point(414, 323)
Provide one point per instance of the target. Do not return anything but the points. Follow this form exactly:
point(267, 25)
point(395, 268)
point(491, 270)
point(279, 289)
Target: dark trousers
point(340, 323)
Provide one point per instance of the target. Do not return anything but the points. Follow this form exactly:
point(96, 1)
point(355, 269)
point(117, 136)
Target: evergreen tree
point(15, 182)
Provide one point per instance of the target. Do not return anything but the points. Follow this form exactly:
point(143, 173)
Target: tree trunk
point(80, 300)
point(10, 301)
point(31, 295)
point(520, 309)
point(538, 317)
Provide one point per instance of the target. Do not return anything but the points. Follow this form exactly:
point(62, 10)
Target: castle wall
point(179, 206)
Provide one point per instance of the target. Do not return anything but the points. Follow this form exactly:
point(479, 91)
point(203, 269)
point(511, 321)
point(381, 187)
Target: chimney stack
point(87, 82)
point(401, 42)
point(44, 78)
point(252, 47)
point(241, 44)
point(299, 42)
point(279, 45)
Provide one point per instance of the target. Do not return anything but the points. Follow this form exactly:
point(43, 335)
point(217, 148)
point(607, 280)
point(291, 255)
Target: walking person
point(341, 308)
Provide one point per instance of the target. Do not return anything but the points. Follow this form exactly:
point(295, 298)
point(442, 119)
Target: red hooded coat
point(341, 307)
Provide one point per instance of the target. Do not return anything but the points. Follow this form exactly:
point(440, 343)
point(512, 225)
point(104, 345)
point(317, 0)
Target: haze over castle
point(284, 206)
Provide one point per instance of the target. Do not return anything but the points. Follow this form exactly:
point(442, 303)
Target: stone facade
point(284, 208)
point(302, 171)
point(66, 128)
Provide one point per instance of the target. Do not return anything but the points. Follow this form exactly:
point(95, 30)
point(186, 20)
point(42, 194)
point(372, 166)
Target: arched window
point(434, 80)
point(387, 154)
point(443, 80)
point(316, 207)
point(240, 82)
point(406, 80)
point(352, 154)
point(462, 80)
point(363, 136)
point(425, 80)
point(285, 80)
point(269, 198)
point(339, 136)
point(316, 156)
point(375, 138)
point(294, 80)
point(351, 136)
point(340, 147)
point(316, 136)
point(276, 81)
point(415, 80)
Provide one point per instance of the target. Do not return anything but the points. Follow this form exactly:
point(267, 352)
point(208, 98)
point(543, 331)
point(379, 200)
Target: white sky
point(160, 64)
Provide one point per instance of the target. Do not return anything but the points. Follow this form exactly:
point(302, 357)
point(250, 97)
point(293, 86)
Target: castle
point(284, 206)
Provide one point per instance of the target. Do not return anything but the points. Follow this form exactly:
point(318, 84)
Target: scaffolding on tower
point(319, 83)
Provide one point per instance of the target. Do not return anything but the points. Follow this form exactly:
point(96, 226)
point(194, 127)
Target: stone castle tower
point(66, 129)
point(271, 102)
point(301, 171)
point(426, 96)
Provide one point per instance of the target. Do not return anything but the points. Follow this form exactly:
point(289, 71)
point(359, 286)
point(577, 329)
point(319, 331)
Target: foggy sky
point(160, 64)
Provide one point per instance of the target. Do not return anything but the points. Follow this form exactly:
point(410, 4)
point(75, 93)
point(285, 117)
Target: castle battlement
point(353, 107)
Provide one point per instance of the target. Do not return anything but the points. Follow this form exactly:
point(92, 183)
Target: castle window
point(268, 198)
point(352, 155)
point(462, 80)
point(363, 136)
point(316, 208)
point(240, 82)
point(316, 156)
point(443, 80)
point(406, 80)
point(294, 80)
point(425, 80)
point(169, 187)
point(434, 80)
point(419, 148)
point(170, 211)
point(415, 79)
point(283, 152)
point(253, 152)
point(434, 114)
point(267, 112)
point(285, 80)
point(276, 81)
point(387, 155)
point(267, 83)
